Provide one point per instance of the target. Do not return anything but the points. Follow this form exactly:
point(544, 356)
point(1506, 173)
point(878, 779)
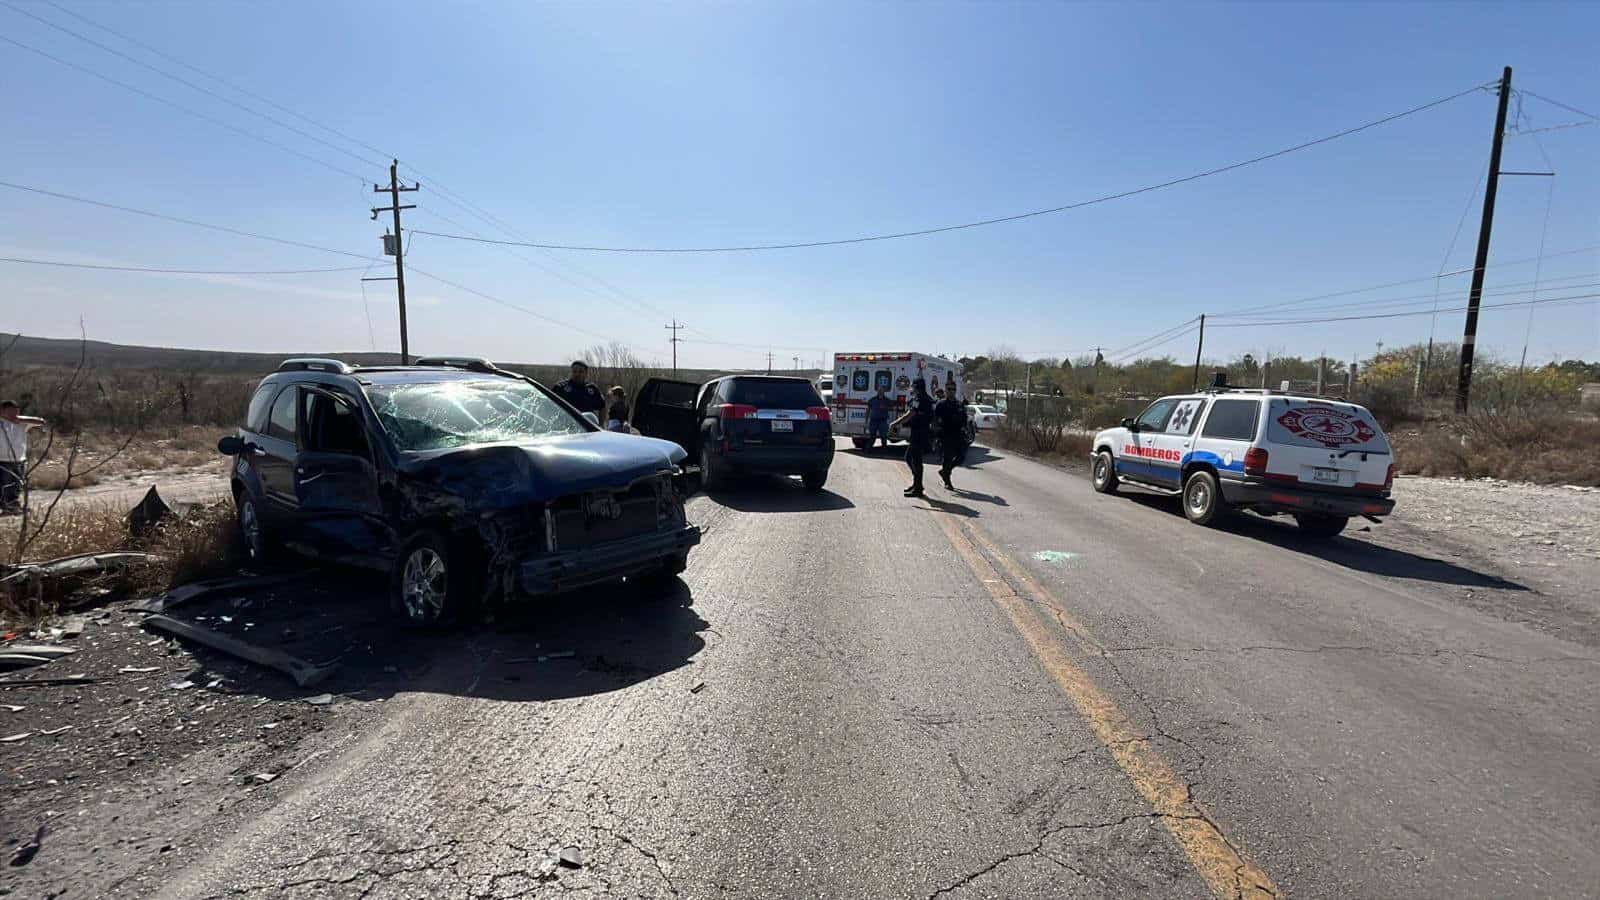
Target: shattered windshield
point(449, 414)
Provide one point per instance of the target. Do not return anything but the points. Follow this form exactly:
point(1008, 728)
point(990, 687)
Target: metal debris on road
point(137, 670)
point(9, 707)
point(55, 731)
point(180, 685)
point(12, 739)
point(265, 777)
point(699, 686)
point(305, 674)
point(571, 857)
point(320, 700)
point(28, 851)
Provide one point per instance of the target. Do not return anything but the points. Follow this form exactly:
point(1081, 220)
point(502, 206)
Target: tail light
point(819, 413)
point(1388, 478)
point(736, 411)
point(1255, 461)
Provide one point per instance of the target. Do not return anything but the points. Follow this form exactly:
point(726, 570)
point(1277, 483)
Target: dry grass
point(104, 454)
point(203, 544)
point(1543, 448)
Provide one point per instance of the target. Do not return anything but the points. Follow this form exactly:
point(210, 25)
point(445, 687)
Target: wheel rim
point(250, 527)
point(422, 586)
point(1100, 469)
point(1199, 496)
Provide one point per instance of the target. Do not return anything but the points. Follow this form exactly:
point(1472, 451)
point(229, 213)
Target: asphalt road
point(1021, 690)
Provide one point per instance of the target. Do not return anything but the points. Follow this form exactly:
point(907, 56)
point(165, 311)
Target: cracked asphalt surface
point(873, 724)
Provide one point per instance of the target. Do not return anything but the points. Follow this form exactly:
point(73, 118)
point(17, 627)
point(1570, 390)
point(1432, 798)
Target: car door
point(1171, 445)
point(1136, 458)
point(665, 408)
point(338, 507)
point(278, 444)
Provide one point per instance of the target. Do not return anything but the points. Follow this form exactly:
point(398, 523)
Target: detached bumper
point(1268, 496)
point(563, 571)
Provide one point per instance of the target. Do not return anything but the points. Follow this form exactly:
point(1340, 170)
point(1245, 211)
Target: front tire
point(814, 480)
point(433, 585)
point(1321, 526)
point(1202, 498)
point(260, 544)
point(1105, 472)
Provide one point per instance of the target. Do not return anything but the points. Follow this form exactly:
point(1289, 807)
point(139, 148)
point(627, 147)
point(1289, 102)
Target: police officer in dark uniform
point(950, 414)
point(580, 391)
point(918, 420)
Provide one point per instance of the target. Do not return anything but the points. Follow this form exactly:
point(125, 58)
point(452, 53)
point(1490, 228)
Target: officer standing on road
point(951, 416)
point(580, 391)
point(918, 418)
point(878, 407)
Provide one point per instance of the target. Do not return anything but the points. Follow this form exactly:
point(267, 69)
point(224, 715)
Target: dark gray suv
point(462, 481)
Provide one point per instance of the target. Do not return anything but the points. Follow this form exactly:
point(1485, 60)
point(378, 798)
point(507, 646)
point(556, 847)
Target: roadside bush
point(1540, 447)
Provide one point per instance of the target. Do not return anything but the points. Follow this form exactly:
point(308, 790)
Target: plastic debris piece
point(180, 685)
point(699, 686)
point(55, 731)
point(12, 739)
point(265, 777)
point(571, 857)
point(136, 670)
point(320, 700)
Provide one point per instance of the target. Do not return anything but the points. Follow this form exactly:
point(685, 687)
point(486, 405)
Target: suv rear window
point(1327, 425)
point(1233, 420)
point(764, 394)
point(676, 393)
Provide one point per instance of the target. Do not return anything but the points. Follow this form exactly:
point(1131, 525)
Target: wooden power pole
point(1469, 335)
point(675, 327)
point(398, 250)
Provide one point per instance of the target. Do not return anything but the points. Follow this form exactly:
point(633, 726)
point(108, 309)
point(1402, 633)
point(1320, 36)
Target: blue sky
point(696, 124)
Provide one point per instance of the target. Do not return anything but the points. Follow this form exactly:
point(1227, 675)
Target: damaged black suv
point(463, 481)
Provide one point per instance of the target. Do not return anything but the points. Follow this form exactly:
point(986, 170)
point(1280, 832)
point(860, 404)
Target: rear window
point(774, 394)
point(1233, 420)
point(1332, 426)
point(675, 393)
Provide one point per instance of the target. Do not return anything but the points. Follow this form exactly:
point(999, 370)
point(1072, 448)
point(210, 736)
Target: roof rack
point(314, 364)
point(469, 363)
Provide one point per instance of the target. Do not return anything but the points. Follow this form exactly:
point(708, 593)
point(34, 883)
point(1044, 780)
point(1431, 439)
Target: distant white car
point(986, 417)
point(825, 388)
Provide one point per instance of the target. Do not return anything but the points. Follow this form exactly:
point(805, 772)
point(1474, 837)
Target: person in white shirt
point(14, 428)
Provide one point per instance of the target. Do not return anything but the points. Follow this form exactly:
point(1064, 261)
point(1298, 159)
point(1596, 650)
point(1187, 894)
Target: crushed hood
point(495, 476)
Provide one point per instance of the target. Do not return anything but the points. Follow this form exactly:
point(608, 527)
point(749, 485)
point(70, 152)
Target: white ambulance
point(857, 376)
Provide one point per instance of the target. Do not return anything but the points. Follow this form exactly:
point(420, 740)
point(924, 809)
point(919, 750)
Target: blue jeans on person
point(10, 485)
point(877, 428)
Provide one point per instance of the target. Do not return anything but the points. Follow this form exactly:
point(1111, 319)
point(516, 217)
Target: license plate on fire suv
point(1328, 476)
point(782, 425)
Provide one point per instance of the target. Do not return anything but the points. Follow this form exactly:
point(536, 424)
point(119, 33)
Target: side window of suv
point(1185, 416)
point(281, 424)
point(1233, 420)
point(1155, 417)
point(255, 418)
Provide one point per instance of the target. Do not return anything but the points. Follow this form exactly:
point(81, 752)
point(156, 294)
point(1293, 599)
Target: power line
point(184, 109)
point(999, 219)
point(1403, 282)
point(1510, 289)
point(1157, 336)
point(76, 265)
point(1398, 315)
point(381, 155)
point(1570, 109)
point(180, 220)
point(179, 79)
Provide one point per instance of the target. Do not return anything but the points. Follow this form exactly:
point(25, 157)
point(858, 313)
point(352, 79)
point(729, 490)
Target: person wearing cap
point(580, 391)
point(14, 427)
point(918, 420)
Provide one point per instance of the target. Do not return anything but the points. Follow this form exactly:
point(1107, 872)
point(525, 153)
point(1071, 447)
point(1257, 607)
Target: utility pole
point(769, 362)
point(796, 364)
point(675, 327)
point(395, 189)
point(1197, 347)
point(1469, 336)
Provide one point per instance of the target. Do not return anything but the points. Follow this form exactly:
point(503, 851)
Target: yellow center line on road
point(1223, 866)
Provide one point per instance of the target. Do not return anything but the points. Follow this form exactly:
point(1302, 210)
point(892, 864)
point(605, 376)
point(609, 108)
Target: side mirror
point(593, 419)
point(1128, 424)
point(232, 445)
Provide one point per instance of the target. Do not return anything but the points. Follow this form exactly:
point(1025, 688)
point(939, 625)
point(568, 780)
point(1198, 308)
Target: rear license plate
point(782, 425)
point(1328, 476)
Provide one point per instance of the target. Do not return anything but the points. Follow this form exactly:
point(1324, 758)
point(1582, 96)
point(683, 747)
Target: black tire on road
point(1202, 498)
point(814, 480)
point(711, 477)
point(1104, 472)
point(861, 443)
point(1321, 526)
point(433, 584)
point(260, 543)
